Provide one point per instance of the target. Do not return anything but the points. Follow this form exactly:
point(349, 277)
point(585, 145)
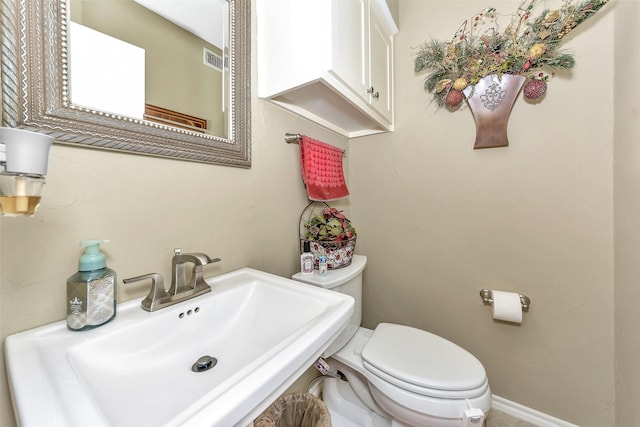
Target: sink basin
point(263, 330)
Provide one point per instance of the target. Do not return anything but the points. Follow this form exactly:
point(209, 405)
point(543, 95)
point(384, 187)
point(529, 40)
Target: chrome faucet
point(181, 289)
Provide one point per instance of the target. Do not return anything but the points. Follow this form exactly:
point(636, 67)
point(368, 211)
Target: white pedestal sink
point(264, 331)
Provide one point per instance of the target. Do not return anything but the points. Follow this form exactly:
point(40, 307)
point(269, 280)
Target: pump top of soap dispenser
point(92, 259)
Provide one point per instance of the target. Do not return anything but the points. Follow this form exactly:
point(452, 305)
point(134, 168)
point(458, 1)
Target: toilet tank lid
point(335, 277)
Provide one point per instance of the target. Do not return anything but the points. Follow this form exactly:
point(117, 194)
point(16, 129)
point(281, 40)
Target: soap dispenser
point(91, 292)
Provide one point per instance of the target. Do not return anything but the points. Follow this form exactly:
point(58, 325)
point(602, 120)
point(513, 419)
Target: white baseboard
point(527, 414)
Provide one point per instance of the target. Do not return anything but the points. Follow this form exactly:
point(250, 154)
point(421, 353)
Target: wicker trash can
point(295, 410)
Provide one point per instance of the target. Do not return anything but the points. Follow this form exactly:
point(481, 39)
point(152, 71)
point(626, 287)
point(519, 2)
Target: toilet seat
point(423, 363)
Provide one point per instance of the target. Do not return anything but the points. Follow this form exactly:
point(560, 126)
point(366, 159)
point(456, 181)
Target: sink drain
point(204, 364)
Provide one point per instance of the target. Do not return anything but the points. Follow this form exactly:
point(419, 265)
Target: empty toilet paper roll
point(507, 306)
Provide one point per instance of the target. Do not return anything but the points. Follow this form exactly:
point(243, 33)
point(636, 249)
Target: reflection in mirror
point(191, 91)
point(157, 60)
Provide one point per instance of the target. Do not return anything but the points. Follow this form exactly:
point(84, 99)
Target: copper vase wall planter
point(491, 100)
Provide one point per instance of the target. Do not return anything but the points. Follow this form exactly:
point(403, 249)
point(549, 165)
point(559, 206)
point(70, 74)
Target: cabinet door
point(349, 44)
point(381, 66)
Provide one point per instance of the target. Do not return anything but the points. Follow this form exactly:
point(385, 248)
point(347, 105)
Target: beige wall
point(440, 221)
point(627, 213)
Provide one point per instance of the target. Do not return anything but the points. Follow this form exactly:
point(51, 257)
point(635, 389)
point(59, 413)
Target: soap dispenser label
point(100, 299)
point(77, 308)
point(91, 304)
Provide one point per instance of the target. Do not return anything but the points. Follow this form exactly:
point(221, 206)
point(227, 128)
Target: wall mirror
point(40, 53)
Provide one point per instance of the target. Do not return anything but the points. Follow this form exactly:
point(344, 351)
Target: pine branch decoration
point(528, 46)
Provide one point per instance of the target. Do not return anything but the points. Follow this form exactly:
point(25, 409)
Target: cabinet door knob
point(374, 93)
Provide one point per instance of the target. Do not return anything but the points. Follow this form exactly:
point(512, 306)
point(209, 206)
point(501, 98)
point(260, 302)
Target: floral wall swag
point(528, 46)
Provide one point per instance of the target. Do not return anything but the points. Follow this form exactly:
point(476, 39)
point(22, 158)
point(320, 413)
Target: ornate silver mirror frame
point(35, 91)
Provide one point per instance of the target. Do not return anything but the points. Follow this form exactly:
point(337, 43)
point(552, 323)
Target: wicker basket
point(338, 252)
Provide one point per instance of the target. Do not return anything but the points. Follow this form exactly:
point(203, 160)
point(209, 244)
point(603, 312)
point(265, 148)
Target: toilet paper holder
point(487, 298)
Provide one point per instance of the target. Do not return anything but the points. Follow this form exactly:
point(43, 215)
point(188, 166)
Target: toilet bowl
point(398, 375)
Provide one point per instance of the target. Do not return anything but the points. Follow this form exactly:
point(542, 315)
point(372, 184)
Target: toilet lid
point(421, 359)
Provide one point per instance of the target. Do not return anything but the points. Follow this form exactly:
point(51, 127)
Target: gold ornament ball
point(537, 50)
point(460, 84)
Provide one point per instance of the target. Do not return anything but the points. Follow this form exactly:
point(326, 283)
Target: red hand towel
point(322, 170)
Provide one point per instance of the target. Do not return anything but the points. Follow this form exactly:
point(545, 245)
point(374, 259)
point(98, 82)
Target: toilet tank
point(346, 280)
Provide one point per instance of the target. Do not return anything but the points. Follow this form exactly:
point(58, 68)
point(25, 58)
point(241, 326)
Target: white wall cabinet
point(330, 61)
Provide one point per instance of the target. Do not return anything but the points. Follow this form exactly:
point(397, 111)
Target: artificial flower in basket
point(527, 46)
point(332, 235)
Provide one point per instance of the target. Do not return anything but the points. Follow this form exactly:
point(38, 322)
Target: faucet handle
point(156, 293)
point(196, 258)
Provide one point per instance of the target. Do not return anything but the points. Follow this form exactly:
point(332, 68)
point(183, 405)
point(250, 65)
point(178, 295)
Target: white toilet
point(397, 375)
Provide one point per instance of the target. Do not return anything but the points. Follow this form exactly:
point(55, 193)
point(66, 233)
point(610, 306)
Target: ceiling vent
point(213, 60)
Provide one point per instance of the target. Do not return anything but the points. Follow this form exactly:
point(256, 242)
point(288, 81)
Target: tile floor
point(500, 419)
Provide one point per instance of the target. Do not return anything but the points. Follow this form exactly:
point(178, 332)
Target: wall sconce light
point(24, 157)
